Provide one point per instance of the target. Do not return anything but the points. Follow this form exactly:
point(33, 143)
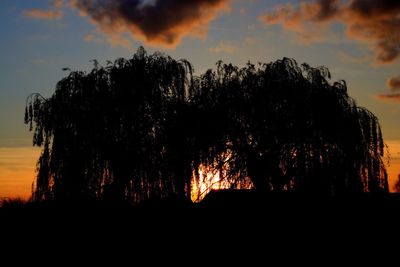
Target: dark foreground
point(238, 223)
point(218, 204)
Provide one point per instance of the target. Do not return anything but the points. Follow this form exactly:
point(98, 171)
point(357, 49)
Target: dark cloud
point(394, 83)
point(374, 22)
point(368, 8)
point(161, 22)
point(326, 9)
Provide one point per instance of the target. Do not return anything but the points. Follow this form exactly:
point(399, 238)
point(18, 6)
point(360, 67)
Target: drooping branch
point(141, 128)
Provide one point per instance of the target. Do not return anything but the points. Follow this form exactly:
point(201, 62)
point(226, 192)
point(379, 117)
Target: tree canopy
point(139, 129)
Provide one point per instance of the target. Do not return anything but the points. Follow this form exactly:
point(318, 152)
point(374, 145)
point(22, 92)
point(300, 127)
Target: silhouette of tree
point(108, 133)
point(289, 129)
point(139, 129)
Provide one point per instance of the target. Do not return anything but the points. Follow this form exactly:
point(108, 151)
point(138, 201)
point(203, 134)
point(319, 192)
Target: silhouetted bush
point(12, 203)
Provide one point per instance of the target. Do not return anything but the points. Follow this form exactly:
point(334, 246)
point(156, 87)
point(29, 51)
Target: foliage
point(139, 128)
point(289, 129)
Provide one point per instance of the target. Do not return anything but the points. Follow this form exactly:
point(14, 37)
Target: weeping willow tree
point(141, 128)
point(108, 133)
point(287, 128)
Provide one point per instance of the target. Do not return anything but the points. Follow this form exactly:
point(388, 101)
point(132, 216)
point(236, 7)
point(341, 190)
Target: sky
point(358, 40)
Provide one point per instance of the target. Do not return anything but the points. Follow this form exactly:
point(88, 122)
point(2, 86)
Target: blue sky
point(34, 51)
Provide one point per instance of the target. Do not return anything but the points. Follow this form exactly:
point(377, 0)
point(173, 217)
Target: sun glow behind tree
point(216, 176)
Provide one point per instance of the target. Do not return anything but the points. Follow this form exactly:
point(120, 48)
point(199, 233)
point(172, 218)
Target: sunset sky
point(358, 40)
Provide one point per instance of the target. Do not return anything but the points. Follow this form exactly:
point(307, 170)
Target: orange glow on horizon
point(17, 171)
point(18, 164)
point(394, 167)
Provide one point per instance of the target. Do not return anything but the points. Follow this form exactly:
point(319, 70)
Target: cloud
point(375, 23)
point(54, 13)
point(44, 14)
point(120, 40)
point(157, 22)
point(58, 3)
point(308, 21)
point(389, 97)
point(394, 84)
point(223, 47)
point(113, 40)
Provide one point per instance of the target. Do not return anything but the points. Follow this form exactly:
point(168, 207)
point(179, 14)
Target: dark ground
point(218, 204)
point(237, 224)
